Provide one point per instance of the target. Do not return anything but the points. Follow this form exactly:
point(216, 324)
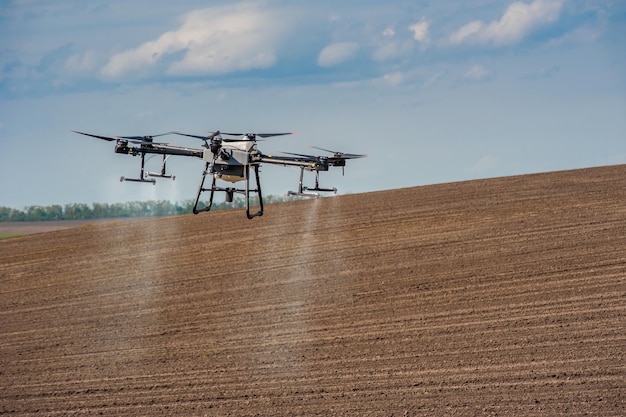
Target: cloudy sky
point(432, 91)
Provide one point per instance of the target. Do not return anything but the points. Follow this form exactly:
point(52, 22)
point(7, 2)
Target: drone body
point(229, 160)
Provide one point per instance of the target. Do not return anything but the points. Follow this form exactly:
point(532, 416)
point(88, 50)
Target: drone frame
point(231, 163)
point(143, 177)
point(229, 191)
point(303, 190)
point(149, 176)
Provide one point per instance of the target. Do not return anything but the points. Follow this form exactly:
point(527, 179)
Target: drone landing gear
point(230, 191)
point(163, 173)
point(303, 190)
point(157, 175)
point(148, 180)
point(149, 176)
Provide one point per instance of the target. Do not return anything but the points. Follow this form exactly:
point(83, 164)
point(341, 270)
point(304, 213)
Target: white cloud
point(215, 40)
point(578, 36)
point(467, 31)
point(389, 32)
point(476, 73)
point(337, 53)
point(518, 20)
point(433, 79)
point(389, 47)
point(82, 64)
point(391, 50)
point(420, 31)
point(394, 78)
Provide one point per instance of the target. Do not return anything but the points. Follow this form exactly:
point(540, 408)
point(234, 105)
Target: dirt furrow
point(494, 297)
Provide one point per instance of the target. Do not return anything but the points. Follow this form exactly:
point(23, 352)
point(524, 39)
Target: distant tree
point(81, 211)
point(54, 212)
point(35, 213)
point(8, 214)
point(5, 214)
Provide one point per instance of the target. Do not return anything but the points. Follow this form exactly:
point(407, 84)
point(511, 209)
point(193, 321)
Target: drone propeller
point(108, 138)
point(307, 157)
point(253, 136)
point(211, 136)
point(246, 136)
point(148, 139)
point(340, 155)
point(215, 139)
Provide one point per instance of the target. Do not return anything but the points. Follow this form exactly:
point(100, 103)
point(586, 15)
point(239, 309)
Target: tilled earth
point(495, 297)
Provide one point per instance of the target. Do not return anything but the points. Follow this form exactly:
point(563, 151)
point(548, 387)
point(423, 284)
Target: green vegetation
point(8, 235)
point(80, 211)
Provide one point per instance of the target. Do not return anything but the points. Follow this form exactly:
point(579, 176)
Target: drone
point(229, 158)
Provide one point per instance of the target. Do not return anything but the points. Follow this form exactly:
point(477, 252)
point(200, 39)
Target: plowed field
point(495, 297)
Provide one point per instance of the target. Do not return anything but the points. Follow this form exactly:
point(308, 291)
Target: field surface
point(494, 297)
point(29, 228)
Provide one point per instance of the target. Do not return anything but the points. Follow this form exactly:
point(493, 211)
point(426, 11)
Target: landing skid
point(149, 176)
point(149, 180)
point(160, 175)
point(303, 191)
point(302, 194)
point(230, 191)
point(163, 173)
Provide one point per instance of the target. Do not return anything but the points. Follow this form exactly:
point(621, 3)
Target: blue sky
point(432, 91)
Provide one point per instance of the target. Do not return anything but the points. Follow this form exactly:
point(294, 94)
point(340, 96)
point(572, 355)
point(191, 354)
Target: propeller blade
point(108, 138)
point(192, 136)
point(352, 156)
point(322, 149)
point(133, 139)
point(146, 138)
point(253, 136)
point(269, 135)
point(309, 157)
point(340, 154)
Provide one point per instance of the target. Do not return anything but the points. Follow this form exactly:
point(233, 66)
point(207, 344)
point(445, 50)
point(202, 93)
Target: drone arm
point(288, 161)
point(166, 150)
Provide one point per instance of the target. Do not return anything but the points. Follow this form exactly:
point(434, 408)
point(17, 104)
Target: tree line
point(81, 211)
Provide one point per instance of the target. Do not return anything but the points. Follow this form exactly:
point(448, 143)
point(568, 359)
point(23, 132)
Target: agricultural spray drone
point(228, 158)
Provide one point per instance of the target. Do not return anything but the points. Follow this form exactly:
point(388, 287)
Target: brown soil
point(498, 297)
point(29, 228)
